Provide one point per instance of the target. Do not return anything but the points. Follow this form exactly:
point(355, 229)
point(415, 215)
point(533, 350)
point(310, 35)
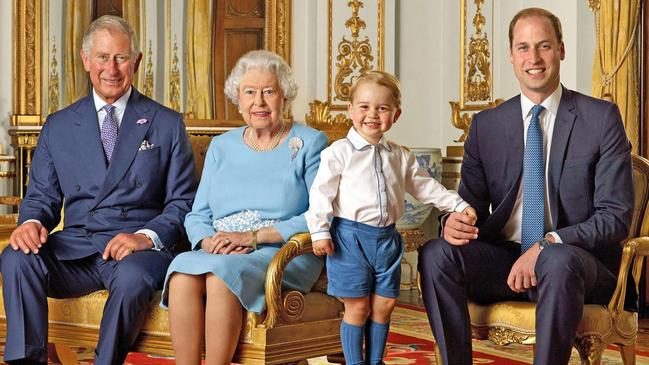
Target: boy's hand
point(322, 247)
point(470, 212)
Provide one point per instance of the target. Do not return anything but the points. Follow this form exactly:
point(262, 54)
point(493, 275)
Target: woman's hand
point(226, 243)
point(323, 247)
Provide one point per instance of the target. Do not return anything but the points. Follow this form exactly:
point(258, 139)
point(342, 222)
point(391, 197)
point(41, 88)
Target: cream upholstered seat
point(295, 326)
point(514, 322)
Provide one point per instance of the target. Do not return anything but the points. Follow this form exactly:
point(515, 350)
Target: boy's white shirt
point(357, 183)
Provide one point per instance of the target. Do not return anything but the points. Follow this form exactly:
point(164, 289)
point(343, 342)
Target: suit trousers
point(567, 277)
point(27, 281)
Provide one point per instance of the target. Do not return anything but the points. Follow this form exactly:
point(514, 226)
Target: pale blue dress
point(272, 186)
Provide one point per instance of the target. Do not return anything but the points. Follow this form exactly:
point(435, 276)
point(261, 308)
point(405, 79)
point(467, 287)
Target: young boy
point(355, 199)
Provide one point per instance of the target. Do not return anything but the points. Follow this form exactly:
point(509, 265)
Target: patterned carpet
point(410, 342)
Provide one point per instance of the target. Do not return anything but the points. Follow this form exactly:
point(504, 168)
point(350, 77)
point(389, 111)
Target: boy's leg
point(378, 327)
point(351, 329)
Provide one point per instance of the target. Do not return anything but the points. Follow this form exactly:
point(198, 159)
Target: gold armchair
point(514, 322)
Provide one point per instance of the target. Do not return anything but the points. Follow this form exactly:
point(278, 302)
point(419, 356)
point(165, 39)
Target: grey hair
point(110, 22)
point(261, 60)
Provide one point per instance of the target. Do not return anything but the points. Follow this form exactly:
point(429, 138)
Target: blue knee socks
point(376, 336)
point(352, 341)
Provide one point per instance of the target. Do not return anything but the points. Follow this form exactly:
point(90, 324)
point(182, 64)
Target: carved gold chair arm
point(634, 252)
point(10, 200)
point(277, 306)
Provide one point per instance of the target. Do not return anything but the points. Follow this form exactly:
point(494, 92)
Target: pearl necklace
point(273, 144)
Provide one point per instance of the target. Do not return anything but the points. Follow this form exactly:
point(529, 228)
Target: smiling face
point(110, 64)
point(536, 55)
point(373, 111)
point(261, 99)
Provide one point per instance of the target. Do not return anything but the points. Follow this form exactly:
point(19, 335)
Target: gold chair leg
point(438, 355)
point(590, 350)
point(62, 354)
point(628, 354)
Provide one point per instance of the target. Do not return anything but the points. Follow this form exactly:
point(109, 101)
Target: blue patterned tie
point(109, 131)
point(533, 184)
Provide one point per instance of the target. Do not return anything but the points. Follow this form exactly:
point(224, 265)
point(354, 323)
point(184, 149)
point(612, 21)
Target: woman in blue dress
point(251, 199)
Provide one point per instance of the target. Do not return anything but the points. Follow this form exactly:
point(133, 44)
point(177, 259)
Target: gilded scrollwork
point(501, 335)
point(590, 348)
point(354, 56)
point(319, 117)
point(593, 5)
point(174, 85)
point(148, 74)
point(462, 121)
point(53, 89)
point(478, 78)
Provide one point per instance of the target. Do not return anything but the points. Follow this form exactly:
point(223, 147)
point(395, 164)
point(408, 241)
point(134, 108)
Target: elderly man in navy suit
point(553, 204)
point(121, 165)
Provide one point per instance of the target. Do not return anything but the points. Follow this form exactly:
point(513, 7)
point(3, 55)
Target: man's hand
point(28, 237)
point(125, 244)
point(521, 277)
point(460, 228)
point(323, 247)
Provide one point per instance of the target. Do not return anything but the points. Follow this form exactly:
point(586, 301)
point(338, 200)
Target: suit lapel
point(130, 137)
point(87, 136)
point(562, 129)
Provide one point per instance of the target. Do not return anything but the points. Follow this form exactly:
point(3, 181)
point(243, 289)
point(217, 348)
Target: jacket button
point(92, 212)
point(138, 184)
point(123, 213)
point(77, 187)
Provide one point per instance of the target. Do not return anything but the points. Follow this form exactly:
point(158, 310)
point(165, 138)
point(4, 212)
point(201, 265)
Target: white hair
point(110, 22)
point(261, 60)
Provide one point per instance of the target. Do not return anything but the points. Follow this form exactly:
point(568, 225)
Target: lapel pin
point(141, 121)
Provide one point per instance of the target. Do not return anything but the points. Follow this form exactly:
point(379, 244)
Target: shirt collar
point(551, 103)
point(359, 142)
point(120, 103)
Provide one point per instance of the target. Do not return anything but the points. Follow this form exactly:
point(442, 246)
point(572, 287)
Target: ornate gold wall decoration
point(355, 55)
point(478, 78)
point(174, 84)
point(148, 74)
point(476, 85)
point(53, 82)
point(27, 62)
point(593, 5)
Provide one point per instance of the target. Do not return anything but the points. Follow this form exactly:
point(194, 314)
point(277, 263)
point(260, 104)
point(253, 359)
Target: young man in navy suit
point(553, 205)
point(121, 165)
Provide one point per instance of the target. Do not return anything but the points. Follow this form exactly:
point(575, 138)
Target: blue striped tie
point(533, 224)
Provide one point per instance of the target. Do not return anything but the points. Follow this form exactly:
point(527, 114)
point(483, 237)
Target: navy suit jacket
point(140, 189)
point(589, 173)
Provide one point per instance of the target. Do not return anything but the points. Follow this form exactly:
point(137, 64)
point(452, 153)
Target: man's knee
point(18, 263)
point(558, 262)
point(436, 255)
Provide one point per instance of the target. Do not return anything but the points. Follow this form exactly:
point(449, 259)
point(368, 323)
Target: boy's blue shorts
point(366, 260)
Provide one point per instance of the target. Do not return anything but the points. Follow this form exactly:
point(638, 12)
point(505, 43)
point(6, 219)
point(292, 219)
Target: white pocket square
point(146, 146)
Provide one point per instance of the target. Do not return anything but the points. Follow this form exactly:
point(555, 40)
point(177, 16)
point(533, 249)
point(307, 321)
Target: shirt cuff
point(33, 221)
point(157, 244)
point(322, 235)
point(461, 206)
point(557, 239)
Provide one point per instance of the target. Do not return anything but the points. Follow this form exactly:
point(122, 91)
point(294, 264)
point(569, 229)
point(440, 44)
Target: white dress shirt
point(367, 183)
point(118, 114)
point(512, 229)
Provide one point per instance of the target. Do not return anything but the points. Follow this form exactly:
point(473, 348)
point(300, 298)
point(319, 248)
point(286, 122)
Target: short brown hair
point(380, 78)
point(529, 12)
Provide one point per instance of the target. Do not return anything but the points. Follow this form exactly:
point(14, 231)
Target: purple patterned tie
point(109, 131)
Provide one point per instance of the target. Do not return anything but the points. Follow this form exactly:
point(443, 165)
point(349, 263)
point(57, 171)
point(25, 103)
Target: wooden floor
point(411, 297)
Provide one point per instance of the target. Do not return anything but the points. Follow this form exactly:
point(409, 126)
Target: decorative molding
point(174, 83)
point(255, 12)
point(354, 56)
point(148, 74)
point(476, 83)
point(53, 82)
point(594, 5)
point(319, 117)
point(27, 22)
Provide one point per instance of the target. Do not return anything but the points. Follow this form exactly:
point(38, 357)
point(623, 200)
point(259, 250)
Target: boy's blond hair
point(380, 78)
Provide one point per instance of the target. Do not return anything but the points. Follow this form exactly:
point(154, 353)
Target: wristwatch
point(543, 243)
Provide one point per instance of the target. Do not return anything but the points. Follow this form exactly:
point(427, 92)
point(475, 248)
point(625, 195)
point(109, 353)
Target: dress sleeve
point(198, 222)
point(297, 224)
